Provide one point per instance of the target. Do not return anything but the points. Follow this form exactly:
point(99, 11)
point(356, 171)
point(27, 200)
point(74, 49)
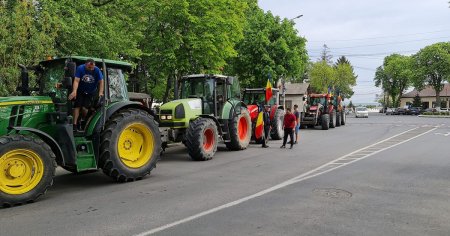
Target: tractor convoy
point(121, 135)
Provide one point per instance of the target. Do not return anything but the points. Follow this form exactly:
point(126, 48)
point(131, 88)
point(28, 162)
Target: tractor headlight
point(169, 117)
point(179, 112)
point(163, 117)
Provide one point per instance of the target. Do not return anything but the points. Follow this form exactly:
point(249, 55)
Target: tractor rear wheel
point(338, 119)
point(27, 168)
point(277, 125)
point(333, 119)
point(130, 145)
point(325, 119)
point(240, 131)
point(201, 139)
point(343, 118)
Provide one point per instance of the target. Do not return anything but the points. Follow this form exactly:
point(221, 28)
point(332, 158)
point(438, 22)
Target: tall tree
point(432, 65)
point(345, 77)
point(322, 76)
point(325, 55)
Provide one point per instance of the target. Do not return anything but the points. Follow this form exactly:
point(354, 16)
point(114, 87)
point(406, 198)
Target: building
point(294, 94)
point(428, 97)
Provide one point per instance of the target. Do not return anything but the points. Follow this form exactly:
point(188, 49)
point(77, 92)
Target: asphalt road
point(385, 175)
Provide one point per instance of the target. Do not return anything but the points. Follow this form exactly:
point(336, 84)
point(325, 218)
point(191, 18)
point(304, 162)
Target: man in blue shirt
point(88, 79)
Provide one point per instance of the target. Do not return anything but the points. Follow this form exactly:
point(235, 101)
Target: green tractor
point(210, 110)
point(36, 132)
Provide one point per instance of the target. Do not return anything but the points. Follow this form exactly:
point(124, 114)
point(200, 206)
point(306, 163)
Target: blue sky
point(366, 30)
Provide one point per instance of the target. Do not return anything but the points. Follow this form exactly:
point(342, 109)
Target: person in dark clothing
point(289, 125)
point(297, 126)
point(267, 126)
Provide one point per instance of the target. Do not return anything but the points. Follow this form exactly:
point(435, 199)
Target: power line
point(390, 43)
point(379, 37)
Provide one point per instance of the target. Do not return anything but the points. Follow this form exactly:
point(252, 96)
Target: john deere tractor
point(255, 98)
point(36, 132)
point(209, 111)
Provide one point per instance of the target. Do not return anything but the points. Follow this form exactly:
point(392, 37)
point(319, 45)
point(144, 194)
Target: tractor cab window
point(49, 78)
point(117, 85)
point(235, 90)
point(199, 88)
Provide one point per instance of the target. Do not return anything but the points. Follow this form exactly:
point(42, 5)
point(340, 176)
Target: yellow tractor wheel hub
point(136, 145)
point(21, 170)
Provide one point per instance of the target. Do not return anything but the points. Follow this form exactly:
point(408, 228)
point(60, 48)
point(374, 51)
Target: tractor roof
point(200, 76)
point(258, 90)
point(98, 61)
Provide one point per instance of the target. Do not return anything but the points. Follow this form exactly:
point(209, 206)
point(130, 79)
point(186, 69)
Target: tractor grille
point(166, 112)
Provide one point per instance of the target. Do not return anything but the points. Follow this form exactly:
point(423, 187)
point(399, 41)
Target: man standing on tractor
point(297, 126)
point(88, 79)
point(267, 126)
point(289, 125)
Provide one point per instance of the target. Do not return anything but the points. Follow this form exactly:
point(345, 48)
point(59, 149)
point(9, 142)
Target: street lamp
point(296, 17)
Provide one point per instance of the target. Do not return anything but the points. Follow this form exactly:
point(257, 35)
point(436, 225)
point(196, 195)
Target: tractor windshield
point(197, 88)
point(49, 78)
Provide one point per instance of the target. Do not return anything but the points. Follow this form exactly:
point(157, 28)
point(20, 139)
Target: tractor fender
point(48, 140)
point(215, 121)
point(115, 108)
point(234, 107)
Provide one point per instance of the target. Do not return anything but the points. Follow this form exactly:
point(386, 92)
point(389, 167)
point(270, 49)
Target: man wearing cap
point(267, 126)
point(88, 79)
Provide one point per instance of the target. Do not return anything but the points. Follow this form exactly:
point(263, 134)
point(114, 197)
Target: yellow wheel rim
point(21, 170)
point(136, 145)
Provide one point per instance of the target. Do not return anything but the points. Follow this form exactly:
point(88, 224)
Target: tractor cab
point(257, 96)
point(213, 91)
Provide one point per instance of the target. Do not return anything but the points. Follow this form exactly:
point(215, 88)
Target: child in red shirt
point(290, 121)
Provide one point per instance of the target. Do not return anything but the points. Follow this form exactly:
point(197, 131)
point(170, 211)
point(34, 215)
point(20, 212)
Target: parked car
point(401, 111)
point(390, 111)
point(414, 111)
point(361, 112)
point(430, 110)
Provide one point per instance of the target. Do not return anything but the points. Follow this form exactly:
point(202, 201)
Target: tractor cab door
point(221, 95)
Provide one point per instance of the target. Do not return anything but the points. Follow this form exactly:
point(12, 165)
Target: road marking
point(323, 169)
point(447, 134)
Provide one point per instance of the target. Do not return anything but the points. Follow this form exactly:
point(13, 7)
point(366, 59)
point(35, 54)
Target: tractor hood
point(178, 113)
point(24, 100)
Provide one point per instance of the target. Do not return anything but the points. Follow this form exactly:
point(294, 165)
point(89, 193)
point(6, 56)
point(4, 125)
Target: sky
point(365, 31)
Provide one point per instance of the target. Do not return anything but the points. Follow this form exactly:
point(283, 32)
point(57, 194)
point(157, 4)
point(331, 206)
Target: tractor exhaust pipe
point(25, 79)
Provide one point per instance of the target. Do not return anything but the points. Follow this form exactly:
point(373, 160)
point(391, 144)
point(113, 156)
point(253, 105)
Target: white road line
point(294, 180)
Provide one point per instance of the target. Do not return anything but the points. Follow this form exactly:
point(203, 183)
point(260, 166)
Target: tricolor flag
point(259, 129)
point(268, 90)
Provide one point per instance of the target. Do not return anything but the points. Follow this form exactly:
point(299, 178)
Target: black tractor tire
point(338, 119)
point(40, 152)
point(240, 131)
point(277, 132)
point(201, 139)
point(343, 118)
point(333, 119)
point(325, 119)
point(134, 122)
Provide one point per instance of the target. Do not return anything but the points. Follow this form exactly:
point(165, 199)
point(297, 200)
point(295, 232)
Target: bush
point(442, 113)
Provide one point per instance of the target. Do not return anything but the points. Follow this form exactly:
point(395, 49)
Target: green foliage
point(26, 36)
point(417, 102)
point(432, 67)
point(395, 76)
point(340, 77)
point(270, 47)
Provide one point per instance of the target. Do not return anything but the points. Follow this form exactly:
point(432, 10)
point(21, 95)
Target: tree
point(325, 54)
point(26, 36)
point(432, 65)
point(270, 48)
point(394, 76)
point(417, 102)
point(345, 77)
point(322, 76)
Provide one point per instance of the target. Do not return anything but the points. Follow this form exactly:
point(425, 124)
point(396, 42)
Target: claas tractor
point(36, 132)
point(210, 110)
point(318, 111)
point(256, 99)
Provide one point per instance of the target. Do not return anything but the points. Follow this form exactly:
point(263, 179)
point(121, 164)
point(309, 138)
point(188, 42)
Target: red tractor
point(255, 98)
point(318, 111)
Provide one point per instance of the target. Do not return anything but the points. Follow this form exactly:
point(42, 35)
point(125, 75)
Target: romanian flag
point(259, 129)
point(268, 90)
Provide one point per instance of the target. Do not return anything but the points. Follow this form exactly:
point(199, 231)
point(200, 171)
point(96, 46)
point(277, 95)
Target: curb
point(433, 116)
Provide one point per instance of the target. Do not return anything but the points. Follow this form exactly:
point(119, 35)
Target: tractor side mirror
point(304, 99)
point(25, 79)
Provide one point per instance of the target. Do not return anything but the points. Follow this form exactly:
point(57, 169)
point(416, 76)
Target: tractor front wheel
point(27, 168)
point(240, 131)
point(338, 118)
point(343, 118)
point(333, 119)
point(130, 145)
point(325, 119)
point(201, 139)
point(277, 125)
